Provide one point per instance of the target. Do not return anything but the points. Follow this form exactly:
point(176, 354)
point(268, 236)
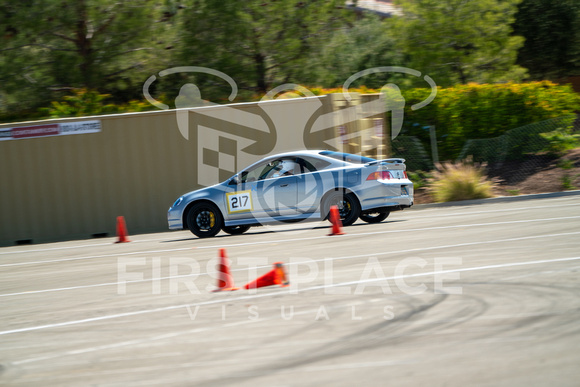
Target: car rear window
point(313, 164)
point(349, 158)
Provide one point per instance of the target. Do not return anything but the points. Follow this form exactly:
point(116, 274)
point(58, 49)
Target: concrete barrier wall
point(74, 186)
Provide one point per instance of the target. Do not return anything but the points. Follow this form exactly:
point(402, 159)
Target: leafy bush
point(85, 102)
point(477, 111)
point(460, 181)
point(568, 182)
point(560, 141)
point(565, 164)
point(419, 178)
point(515, 144)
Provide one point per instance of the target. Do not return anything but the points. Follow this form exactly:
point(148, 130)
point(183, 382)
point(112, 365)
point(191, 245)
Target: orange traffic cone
point(334, 217)
point(276, 276)
point(225, 280)
point(121, 230)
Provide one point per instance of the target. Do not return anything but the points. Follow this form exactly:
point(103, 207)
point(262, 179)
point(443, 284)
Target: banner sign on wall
point(62, 129)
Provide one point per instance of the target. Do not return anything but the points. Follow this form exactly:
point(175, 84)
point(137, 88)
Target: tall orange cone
point(334, 217)
point(121, 230)
point(225, 280)
point(276, 276)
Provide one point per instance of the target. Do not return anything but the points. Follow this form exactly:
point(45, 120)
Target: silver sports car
point(296, 186)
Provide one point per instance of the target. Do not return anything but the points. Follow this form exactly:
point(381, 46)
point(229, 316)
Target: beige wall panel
point(74, 186)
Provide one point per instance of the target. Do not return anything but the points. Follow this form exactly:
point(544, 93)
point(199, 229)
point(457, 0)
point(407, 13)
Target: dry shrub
point(460, 181)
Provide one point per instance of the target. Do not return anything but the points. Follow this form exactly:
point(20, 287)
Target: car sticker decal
point(239, 201)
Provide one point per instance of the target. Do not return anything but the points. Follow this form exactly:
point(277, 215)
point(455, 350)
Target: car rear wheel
point(374, 216)
point(235, 230)
point(204, 220)
point(348, 206)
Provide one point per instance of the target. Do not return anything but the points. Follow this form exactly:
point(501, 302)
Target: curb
point(499, 199)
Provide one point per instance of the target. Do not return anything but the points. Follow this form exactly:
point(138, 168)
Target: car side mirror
point(234, 180)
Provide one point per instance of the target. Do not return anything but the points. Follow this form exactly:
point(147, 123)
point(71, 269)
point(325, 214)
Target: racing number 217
point(240, 201)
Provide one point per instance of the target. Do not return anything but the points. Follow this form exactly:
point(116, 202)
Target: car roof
point(318, 153)
point(299, 153)
point(302, 153)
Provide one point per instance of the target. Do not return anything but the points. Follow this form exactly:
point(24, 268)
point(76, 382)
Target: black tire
point(348, 206)
point(204, 220)
point(235, 230)
point(374, 216)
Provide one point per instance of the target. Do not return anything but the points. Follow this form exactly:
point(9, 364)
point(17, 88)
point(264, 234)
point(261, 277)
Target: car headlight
point(177, 202)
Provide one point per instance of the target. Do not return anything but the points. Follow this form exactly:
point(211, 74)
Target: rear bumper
point(397, 195)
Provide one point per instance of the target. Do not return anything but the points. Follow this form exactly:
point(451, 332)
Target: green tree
point(51, 46)
point(459, 41)
point(552, 32)
point(366, 43)
point(260, 43)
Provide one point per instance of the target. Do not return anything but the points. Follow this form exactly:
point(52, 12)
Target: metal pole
point(434, 150)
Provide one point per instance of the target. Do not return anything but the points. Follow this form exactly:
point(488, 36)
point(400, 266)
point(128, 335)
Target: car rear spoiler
point(390, 161)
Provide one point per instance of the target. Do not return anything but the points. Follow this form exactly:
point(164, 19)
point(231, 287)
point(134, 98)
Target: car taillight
point(380, 175)
point(405, 174)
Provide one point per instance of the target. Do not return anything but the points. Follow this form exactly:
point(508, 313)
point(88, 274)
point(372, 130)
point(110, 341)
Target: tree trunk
point(261, 82)
point(84, 46)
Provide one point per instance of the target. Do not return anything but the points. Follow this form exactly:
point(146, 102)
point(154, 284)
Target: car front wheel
point(348, 207)
point(204, 220)
point(374, 216)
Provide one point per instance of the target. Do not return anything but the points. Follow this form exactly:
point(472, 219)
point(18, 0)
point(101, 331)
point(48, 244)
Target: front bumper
point(174, 219)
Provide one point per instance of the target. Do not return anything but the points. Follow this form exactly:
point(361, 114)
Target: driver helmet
point(286, 167)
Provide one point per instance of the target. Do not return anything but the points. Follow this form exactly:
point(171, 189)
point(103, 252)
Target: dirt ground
point(537, 174)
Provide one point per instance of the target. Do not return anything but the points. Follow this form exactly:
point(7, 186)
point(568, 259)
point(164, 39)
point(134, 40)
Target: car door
point(309, 184)
point(242, 198)
point(265, 190)
point(277, 188)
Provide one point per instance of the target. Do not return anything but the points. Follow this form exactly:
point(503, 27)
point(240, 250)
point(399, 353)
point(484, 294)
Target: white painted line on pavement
point(375, 254)
point(287, 241)
point(277, 293)
point(411, 216)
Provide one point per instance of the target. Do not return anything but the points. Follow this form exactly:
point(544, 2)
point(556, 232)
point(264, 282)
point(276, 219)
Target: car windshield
point(350, 158)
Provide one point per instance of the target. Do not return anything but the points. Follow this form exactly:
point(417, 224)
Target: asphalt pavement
point(485, 293)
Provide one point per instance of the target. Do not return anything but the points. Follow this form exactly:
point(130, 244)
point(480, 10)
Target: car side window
point(281, 167)
point(253, 174)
